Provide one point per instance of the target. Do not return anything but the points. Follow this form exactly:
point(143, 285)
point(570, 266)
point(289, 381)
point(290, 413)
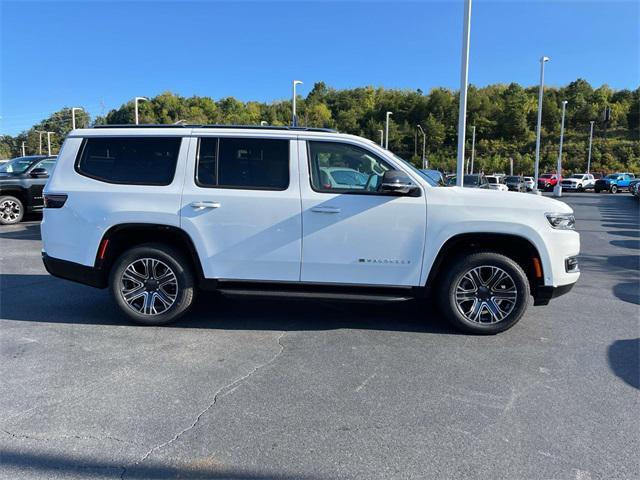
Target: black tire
point(580, 188)
point(182, 294)
point(613, 189)
point(11, 210)
point(485, 261)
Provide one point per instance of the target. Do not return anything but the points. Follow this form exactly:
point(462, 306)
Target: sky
point(100, 54)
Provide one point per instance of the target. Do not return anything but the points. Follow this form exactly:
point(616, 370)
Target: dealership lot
point(258, 388)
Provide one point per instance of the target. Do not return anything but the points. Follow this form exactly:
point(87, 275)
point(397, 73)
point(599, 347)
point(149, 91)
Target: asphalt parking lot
point(258, 389)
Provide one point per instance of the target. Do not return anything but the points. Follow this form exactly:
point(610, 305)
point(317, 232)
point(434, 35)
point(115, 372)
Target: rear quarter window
point(129, 160)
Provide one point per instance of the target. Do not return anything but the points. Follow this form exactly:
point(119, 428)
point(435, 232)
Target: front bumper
point(74, 271)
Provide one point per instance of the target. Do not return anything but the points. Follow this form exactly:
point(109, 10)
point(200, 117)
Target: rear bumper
point(74, 271)
point(544, 294)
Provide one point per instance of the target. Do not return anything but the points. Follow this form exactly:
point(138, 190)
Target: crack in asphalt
point(221, 392)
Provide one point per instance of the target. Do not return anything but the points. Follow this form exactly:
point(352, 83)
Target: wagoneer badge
point(385, 261)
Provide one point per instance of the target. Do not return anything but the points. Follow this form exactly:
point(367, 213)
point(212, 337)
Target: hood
point(494, 199)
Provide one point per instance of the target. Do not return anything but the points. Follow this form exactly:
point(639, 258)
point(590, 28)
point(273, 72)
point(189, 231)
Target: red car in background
point(547, 181)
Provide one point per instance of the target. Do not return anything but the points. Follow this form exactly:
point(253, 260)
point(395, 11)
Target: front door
point(241, 206)
point(352, 233)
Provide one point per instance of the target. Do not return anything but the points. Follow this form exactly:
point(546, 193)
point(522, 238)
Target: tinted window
point(339, 167)
point(251, 163)
point(48, 165)
point(130, 160)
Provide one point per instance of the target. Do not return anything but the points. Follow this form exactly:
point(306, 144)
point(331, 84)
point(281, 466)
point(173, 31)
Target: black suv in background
point(21, 182)
point(515, 183)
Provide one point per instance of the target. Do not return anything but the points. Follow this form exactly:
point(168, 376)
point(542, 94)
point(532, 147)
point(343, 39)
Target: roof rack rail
point(244, 127)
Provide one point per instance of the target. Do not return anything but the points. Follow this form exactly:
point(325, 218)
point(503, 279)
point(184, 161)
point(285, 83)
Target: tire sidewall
point(461, 266)
point(184, 276)
point(19, 202)
point(614, 189)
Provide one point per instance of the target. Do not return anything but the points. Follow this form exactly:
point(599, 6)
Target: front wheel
point(597, 190)
point(484, 293)
point(152, 284)
point(11, 210)
point(613, 189)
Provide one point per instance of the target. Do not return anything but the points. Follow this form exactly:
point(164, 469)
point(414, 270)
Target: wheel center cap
point(484, 293)
point(151, 284)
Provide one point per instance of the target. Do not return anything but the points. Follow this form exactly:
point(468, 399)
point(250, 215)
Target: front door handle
point(205, 204)
point(325, 209)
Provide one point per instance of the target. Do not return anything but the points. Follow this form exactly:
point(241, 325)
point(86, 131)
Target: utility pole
point(386, 140)
point(536, 167)
point(381, 138)
point(49, 143)
point(294, 117)
point(73, 117)
point(139, 99)
point(511, 166)
point(557, 190)
point(590, 141)
point(24, 154)
point(473, 148)
point(464, 82)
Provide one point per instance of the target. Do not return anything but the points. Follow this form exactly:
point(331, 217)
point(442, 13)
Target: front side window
point(48, 165)
point(130, 160)
point(245, 163)
point(343, 168)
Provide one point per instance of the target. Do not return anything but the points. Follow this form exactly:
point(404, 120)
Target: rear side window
point(246, 163)
point(129, 160)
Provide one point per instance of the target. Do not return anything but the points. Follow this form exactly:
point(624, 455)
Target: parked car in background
point(634, 185)
point(496, 183)
point(614, 182)
point(529, 183)
point(475, 180)
point(21, 182)
point(547, 181)
point(157, 213)
point(515, 183)
point(578, 182)
point(434, 175)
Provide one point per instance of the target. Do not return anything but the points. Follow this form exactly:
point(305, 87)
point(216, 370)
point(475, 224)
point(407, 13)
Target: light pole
point(294, 117)
point(24, 154)
point(40, 132)
point(473, 148)
point(536, 166)
point(464, 82)
point(386, 133)
point(590, 140)
point(49, 143)
point(381, 138)
point(139, 99)
point(424, 143)
point(557, 190)
point(73, 117)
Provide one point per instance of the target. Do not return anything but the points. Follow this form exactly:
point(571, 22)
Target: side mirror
point(395, 181)
point(39, 173)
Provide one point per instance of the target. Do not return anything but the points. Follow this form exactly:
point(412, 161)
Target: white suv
point(579, 182)
point(157, 213)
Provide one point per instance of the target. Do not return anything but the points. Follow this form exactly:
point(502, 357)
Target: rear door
point(37, 184)
point(241, 205)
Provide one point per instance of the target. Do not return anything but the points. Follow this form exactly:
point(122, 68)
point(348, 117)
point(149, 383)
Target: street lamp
point(424, 143)
point(294, 117)
point(24, 154)
point(381, 138)
point(473, 148)
point(557, 190)
point(49, 143)
point(464, 82)
point(536, 167)
point(139, 99)
point(40, 132)
point(590, 140)
point(73, 117)
point(386, 133)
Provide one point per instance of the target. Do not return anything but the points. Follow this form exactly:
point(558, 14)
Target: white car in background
point(579, 182)
point(496, 183)
point(529, 183)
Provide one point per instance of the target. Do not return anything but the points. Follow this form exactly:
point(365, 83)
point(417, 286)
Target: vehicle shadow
point(49, 465)
point(71, 303)
point(29, 231)
point(624, 360)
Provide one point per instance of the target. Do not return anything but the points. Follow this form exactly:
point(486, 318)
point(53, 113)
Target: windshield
point(429, 180)
point(546, 175)
point(512, 179)
point(17, 165)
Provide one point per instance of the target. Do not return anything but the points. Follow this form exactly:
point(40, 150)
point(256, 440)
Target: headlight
point(562, 221)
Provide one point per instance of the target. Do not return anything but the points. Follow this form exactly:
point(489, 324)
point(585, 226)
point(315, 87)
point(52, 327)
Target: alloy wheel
point(486, 294)
point(10, 211)
point(149, 286)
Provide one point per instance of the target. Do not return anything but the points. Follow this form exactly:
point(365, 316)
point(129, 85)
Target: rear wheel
point(152, 284)
point(11, 210)
point(484, 293)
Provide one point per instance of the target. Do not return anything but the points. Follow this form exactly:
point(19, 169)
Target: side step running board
point(350, 297)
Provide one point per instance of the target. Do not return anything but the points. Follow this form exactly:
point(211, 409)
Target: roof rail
point(244, 127)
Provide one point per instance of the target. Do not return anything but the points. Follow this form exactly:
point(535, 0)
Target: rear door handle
point(205, 204)
point(325, 209)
